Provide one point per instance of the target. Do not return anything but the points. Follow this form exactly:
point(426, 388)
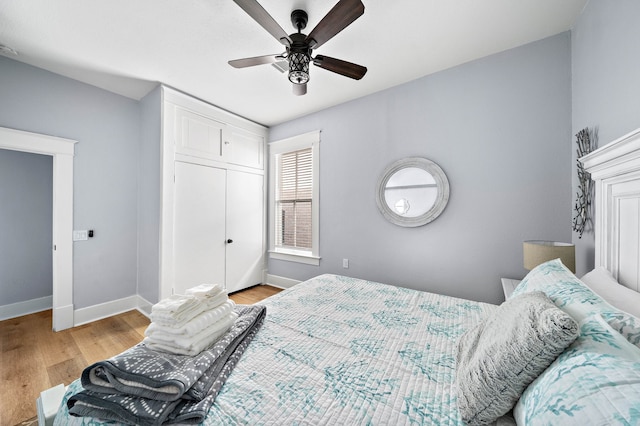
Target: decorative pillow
point(595, 381)
point(605, 285)
point(498, 358)
point(564, 288)
point(575, 298)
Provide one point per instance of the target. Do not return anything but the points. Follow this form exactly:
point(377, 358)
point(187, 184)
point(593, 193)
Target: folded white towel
point(203, 304)
point(188, 340)
point(213, 301)
point(194, 326)
point(191, 345)
point(175, 304)
point(205, 290)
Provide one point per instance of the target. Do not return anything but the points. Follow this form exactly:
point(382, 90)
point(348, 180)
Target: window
point(294, 227)
point(294, 199)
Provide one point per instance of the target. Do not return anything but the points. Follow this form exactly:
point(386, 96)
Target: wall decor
point(412, 192)
point(586, 142)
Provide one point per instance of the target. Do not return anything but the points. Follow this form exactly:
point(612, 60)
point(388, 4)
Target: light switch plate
point(82, 235)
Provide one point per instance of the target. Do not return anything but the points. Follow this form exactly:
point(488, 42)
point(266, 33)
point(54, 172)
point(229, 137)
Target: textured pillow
point(575, 298)
point(596, 381)
point(605, 285)
point(498, 358)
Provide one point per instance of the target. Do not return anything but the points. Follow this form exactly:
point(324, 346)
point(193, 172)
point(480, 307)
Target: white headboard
point(615, 168)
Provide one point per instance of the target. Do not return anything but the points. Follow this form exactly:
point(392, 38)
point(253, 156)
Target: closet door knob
point(229, 241)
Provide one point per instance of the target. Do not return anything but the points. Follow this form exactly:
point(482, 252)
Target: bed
point(340, 350)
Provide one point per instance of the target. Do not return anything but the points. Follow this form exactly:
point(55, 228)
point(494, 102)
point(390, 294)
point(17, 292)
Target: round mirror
point(412, 192)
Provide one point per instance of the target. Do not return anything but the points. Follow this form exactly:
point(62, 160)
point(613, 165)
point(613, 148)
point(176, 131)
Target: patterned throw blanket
point(146, 387)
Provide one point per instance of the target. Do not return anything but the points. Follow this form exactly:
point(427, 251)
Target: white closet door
point(199, 226)
point(245, 206)
point(198, 135)
point(244, 148)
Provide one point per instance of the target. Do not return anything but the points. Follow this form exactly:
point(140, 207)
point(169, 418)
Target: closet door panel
point(199, 226)
point(244, 148)
point(198, 136)
point(245, 209)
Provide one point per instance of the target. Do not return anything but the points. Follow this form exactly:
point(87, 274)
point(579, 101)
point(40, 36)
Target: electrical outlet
point(345, 263)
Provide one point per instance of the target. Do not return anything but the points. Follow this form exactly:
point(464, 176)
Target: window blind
point(293, 200)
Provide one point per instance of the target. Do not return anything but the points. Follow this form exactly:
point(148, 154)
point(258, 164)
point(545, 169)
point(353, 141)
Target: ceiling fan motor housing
point(299, 19)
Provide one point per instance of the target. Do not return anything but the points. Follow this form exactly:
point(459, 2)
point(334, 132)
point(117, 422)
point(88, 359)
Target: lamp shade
point(536, 252)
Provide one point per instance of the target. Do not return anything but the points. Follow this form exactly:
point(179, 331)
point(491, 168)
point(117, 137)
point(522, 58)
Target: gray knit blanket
point(142, 386)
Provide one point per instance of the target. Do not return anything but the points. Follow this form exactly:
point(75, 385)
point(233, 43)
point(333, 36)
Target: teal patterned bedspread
point(338, 350)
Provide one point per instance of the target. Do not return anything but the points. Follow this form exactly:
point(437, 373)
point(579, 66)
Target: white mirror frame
point(438, 206)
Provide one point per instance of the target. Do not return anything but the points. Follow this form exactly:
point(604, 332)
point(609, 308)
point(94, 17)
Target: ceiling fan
point(299, 46)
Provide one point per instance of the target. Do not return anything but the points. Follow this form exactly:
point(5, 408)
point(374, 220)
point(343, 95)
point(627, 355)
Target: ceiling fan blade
point(257, 60)
point(300, 89)
point(338, 18)
point(257, 12)
point(341, 67)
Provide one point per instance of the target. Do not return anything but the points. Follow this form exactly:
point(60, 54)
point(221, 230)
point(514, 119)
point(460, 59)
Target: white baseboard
point(144, 306)
point(27, 307)
point(281, 282)
point(104, 310)
point(62, 317)
point(68, 317)
point(109, 309)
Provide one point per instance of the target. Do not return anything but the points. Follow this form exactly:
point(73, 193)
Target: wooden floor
point(34, 358)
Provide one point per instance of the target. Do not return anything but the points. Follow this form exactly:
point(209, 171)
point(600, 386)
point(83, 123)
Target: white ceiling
point(127, 46)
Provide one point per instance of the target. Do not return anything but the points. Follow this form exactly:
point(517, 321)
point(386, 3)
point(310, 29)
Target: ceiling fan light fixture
point(299, 67)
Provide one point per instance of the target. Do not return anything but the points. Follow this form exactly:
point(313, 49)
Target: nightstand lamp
point(536, 252)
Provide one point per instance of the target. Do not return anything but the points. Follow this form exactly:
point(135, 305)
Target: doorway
point(25, 232)
point(62, 151)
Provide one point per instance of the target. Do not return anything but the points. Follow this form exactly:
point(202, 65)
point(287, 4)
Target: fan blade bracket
point(285, 41)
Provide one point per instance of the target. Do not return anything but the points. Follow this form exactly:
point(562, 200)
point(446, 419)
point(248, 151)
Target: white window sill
point(295, 257)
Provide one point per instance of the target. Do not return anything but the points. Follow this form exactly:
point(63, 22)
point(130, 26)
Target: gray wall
point(25, 226)
point(107, 128)
point(149, 197)
point(500, 127)
point(606, 84)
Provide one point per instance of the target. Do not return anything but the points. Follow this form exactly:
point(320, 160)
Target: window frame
point(296, 143)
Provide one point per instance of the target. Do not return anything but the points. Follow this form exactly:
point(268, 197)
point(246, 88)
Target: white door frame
point(62, 151)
